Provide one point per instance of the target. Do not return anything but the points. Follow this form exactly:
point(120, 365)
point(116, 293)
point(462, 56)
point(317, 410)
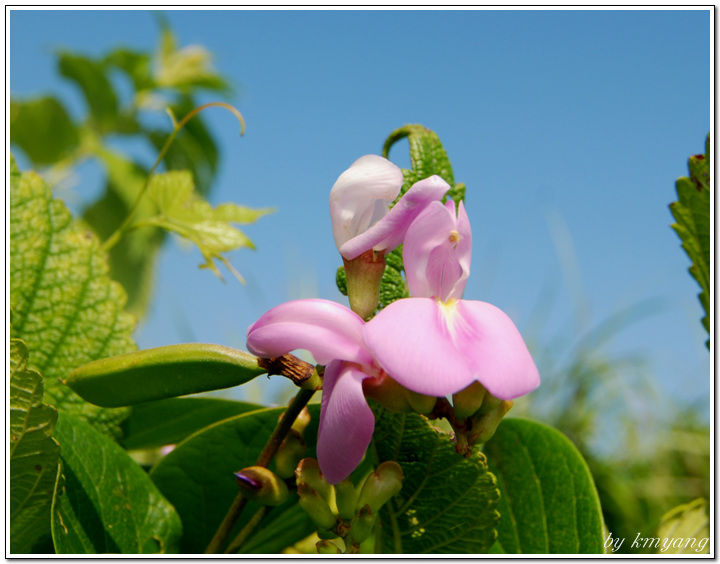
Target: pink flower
point(435, 343)
point(359, 200)
point(334, 336)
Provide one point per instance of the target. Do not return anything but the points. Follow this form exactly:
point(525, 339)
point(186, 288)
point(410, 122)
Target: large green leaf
point(42, 128)
point(33, 454)
point(692, 216)
point(65, 307)
point(448, 503)
point(108, 503)
point(549, 504)
point(197, 478)
point(167, 422)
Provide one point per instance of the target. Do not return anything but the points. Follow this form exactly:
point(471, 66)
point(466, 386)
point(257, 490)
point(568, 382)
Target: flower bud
point(260, 484)
point(468, 401)
point(362, 526)
point(316, 507)
point(308, 471)
point(381, 485)
point(421, 403)
point(289, 453)
point(345, 498)
point(484, 424)
point(327, 547)
point(364, 274)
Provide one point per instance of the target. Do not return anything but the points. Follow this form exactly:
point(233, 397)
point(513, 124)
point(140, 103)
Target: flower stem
point(111, 241)
point(300, 400)
point(247, 530)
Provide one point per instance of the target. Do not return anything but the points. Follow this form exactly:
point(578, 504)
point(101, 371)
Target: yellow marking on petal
point(454, 237)
point(449, 311)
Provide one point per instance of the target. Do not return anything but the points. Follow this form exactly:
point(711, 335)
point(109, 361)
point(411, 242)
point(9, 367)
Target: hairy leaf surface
point(65, 307)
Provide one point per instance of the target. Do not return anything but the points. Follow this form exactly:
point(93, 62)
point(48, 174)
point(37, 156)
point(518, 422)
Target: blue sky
point(569, 129)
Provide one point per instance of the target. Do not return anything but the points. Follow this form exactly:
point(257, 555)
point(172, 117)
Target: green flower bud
point(381, 485)
point(327, 547)
point(316, 507)
point(260, 484)
point(468, 400)
point(363, 282)
point(289, 453)
point(483, 425)
point(308, 471)
point(363, 525)
point(420, 403)
point(345, 498)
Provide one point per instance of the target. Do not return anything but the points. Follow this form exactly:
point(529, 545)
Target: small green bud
point(327, 547)
point(364, 274)
point(363, 525)
point(308, 471)
point(484, 424)
point(260, 484)
point(468, 400)
point(381, 485)
point(388, 393)
point(345, 498)
point(289, 453)
point(316, 507)
point(420, 403)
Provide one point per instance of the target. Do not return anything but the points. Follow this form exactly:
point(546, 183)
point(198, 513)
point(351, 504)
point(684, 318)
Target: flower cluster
point(433, 344)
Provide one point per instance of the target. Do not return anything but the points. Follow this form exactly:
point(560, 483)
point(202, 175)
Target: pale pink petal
point(346, 422)
point(411, 340)
point(389, 231)
point(494, 349)
point(437, 252)
point(327, 329)
point(361, 196)
point(438, 349)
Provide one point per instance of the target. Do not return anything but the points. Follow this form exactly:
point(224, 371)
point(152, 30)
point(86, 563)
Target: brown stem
point(300, 400)
point(247, 530)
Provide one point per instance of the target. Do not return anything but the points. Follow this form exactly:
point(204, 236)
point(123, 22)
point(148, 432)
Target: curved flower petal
point(445, 347)
point(361, 196)
point(327, 329)
point(346, 421)
point(389, 231)
point(437, 252)
point(494, 349)
point(411, 340)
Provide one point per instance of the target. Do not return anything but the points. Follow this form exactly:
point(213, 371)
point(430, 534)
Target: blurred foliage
point(57, 143)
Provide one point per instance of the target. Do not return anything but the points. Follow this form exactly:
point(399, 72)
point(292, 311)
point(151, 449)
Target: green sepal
point(160, 373)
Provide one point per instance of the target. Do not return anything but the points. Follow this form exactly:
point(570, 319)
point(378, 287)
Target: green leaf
point(685, 529)
point(448, 503)
point(161, 373)
point(427, 157)
point(136, 65)
point(34, 454)
point(182, 212)
point(65, 307)
point(392, 285)
point(91, 77)
point(692, 216)
point(168, 422)
point(549, 504)
point(133, 259)
point(42, 128)
point(108, 503)
point(198, 479)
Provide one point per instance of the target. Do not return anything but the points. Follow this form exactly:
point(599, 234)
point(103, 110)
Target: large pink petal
point(389, 231)
point(437, 252)
point(361, 196)
point(438, 349)
point(411, 339)
point(346, 421)
point(327, 329)
point(494, 349)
